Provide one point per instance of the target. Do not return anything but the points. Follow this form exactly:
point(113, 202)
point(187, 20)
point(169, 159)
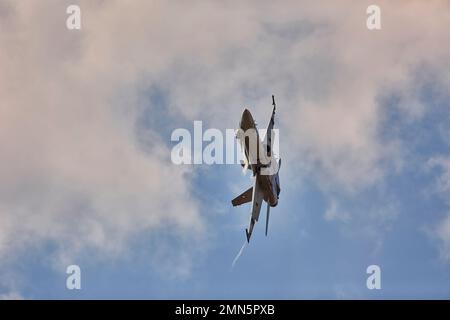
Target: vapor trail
point(238, 255)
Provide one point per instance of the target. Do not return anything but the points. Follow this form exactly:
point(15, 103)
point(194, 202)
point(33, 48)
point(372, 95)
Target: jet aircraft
point(259, 158)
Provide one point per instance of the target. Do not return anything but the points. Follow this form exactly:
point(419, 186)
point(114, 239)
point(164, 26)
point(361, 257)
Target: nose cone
point(246, 120)
point(246, 113)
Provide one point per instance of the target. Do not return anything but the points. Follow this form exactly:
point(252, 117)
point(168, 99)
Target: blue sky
point(304, 256)
point(364, 120)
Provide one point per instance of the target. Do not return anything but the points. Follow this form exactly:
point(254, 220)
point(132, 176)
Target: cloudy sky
point(86, 176)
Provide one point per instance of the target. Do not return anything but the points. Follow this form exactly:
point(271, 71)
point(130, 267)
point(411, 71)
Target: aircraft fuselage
point(269, 183)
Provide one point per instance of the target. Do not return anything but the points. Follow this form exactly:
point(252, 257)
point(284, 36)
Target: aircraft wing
point(244, 197)
point(257, 199)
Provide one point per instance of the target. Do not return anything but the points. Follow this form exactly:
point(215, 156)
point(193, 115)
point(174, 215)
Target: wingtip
point(248, 235)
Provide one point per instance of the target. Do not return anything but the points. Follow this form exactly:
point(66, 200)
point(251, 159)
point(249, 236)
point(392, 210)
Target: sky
point(86, 175)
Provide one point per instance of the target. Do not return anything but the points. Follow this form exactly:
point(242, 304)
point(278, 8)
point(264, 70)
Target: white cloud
point(441, 231)
point(11, 296)
point(443, 181)
point(72, 170)
point(333, 213)
point(328, 72)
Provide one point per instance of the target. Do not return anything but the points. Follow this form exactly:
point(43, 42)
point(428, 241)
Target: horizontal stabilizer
point(243, 198)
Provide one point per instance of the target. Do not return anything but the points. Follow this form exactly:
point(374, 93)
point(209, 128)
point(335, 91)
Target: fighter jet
point(259, 158)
